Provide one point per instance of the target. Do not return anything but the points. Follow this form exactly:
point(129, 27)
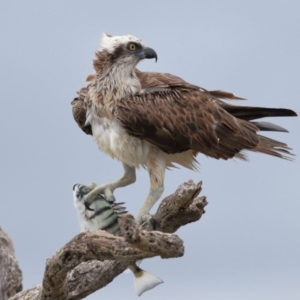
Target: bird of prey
point(103, 214)
point(156, 120)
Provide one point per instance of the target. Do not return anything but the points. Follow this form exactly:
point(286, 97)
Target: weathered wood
point(10, 273)
point(91, 260)
point(180, 208)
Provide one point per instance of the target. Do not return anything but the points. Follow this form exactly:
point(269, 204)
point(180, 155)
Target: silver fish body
point(103, 214)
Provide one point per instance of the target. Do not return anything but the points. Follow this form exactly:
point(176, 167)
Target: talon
point(111, 198)
point(109, 195)
point(153, 223)
point(147, 219)
point(87, 206)
point(92, 186)
point(87, 202)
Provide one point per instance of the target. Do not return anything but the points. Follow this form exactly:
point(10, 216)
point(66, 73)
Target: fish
point(104, 214)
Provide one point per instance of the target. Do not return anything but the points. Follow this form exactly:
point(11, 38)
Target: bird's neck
point(114, 81)
point(120, 80)
point(118, 83)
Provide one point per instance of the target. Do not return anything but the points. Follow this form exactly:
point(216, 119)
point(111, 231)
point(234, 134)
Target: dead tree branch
point(10, 273)
point(91, 260)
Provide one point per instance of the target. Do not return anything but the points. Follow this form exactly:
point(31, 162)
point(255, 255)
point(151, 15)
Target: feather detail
point(175, 116)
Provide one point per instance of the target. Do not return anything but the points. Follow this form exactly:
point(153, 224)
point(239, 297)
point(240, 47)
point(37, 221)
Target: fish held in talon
point(103, 214)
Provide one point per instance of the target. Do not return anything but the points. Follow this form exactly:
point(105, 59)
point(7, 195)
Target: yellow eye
point(132, 47)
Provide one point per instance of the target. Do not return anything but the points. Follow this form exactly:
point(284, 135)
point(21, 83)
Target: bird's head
point(125, 49)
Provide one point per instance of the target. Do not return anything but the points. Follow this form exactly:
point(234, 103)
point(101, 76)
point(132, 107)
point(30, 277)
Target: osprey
point(156, 120)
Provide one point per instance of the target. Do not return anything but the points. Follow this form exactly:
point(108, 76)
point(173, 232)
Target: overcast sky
point(247, 244)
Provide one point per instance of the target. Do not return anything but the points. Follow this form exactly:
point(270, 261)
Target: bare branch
point(10, 273)
point(91, 260)
point(180, 208)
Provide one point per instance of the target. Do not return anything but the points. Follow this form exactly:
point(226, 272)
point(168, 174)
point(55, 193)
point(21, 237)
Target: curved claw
point(111, 198)
point(96, 190)
point(92, 186)
point(153, 223)
point(108, 194)
point(147, 219)
point(87, 206)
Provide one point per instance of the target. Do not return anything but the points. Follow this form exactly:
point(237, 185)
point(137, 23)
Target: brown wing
point(79, 111)
point(254, 113)
point(148, 80)
point(162, 80)
point(183, 118)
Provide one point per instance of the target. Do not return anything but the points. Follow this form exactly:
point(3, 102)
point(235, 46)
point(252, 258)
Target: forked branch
point(91, 260)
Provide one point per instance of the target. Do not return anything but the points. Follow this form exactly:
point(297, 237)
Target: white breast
point(113, 140)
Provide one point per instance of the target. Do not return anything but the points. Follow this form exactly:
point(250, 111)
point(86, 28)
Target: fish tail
point(143, 281)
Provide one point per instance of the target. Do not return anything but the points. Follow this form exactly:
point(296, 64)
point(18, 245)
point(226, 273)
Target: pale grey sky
point(247, 244)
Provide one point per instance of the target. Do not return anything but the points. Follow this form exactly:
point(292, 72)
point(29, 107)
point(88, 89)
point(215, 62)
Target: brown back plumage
point(177, 116)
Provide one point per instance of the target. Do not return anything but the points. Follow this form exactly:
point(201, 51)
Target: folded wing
point(176, 116)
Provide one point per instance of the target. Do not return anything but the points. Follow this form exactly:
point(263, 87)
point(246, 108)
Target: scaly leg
point(156, 169)
point(129, 177)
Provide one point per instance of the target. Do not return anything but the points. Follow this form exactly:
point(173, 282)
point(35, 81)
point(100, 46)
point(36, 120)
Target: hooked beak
point(147, 53)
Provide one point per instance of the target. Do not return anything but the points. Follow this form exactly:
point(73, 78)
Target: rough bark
point(92, 260)
point(10, 273)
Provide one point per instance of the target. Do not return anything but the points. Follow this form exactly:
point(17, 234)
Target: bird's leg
point(156, 169)
point(128, 177)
